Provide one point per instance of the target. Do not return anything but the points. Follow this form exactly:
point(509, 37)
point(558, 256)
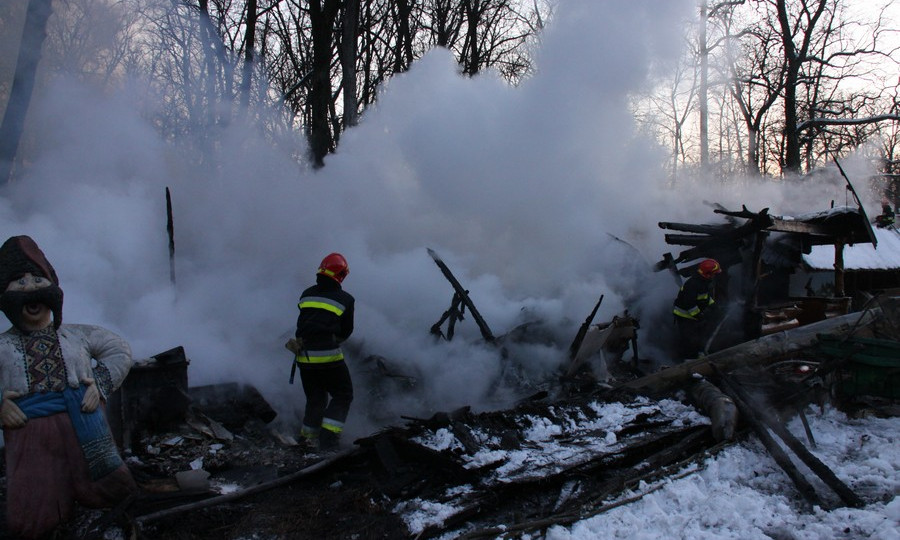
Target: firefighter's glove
point(91, 399)
point(295, 345)
point(11, 416)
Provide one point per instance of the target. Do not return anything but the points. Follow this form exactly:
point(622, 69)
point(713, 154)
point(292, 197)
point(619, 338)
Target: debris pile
point(210, 464)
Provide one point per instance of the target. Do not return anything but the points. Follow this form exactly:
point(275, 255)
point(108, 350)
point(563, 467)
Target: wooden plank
point(801, 227)
point(695, 228)
point(686, 239)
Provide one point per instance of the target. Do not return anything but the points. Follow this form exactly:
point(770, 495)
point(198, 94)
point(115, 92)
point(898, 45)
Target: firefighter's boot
point(329, 440)
point(308, 440)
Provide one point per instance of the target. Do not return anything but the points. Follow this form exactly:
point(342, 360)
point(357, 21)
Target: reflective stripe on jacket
point(320, 357)
point(695, 296)
point(324, 322)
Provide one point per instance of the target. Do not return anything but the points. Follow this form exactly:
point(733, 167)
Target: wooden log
point(750, 415)
point(760, 351)
point(282, 481)
point(815, 465)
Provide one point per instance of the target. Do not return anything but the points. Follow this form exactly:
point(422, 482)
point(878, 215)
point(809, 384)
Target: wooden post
point(170, 228)
point(839, 268)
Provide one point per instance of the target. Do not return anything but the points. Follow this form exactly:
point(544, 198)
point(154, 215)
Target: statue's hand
point(11, 416)
point(91, 396)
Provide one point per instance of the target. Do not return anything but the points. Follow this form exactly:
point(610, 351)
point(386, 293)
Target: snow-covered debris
point(742, 493)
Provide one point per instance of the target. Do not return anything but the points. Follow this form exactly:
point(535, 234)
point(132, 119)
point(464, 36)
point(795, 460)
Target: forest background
point(770, 88)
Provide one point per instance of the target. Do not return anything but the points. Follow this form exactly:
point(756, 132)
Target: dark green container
point(871, 367)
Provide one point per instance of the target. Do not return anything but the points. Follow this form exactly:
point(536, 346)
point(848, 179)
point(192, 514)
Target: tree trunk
point(791, 135)
point(471, 61)
point(704, 86)
point(322, 16)
point(795, 56)
point(752, 150)
point(208, 35)
point(33, 35)
point(348, 61)
point(249, 44)
point(403, 55)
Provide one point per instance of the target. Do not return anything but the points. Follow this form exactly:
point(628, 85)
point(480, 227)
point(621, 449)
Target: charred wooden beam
point(696, 228)
point(744, 212)
point(801, 227)
point(728, 239)
point(464, 295)
point(582, 330)
point(668, 263)
point(749, 413)
point(759, 351)
point(686, 239)
point(762, 414)
point(282, 481)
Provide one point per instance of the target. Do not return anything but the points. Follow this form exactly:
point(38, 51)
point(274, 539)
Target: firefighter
point(325, 321)
point(692, 307)
point(886, 219)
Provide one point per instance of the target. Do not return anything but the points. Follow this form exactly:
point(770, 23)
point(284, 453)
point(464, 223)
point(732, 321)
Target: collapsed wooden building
point(210, 460)
point(765, 256)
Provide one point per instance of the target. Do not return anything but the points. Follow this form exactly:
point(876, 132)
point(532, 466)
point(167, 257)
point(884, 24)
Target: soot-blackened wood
point(694, 228)
point(686, 239)
point(761, 351)
point(815, 465)
point(464, 294)
point(282, 481)
point(749, 414)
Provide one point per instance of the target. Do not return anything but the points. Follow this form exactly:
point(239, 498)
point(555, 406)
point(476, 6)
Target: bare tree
point(350, 26)
point(33, 36)
point(757, 78)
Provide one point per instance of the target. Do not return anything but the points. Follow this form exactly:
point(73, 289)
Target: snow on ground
point(739, 493)
point(742, 493)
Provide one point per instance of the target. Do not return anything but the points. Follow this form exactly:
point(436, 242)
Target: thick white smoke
point(524, 191)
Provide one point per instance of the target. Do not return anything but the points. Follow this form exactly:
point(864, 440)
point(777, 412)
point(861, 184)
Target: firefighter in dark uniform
point(325, 321)
point(691, 307)
point(886, 219)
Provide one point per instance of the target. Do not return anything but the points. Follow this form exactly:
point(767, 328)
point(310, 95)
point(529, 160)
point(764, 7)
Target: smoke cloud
point(539, 197)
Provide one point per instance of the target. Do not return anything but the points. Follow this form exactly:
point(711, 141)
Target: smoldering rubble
point(212, 461)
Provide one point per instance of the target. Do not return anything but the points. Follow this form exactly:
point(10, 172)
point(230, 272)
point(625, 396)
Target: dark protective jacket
point(325, 321)
point(695, 296)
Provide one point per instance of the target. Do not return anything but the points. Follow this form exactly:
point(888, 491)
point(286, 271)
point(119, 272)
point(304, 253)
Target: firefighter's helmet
point(334, 266)
point(708, 268)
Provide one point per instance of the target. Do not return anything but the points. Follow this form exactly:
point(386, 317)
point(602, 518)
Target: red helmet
point(708, 268)
point(334, 266)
